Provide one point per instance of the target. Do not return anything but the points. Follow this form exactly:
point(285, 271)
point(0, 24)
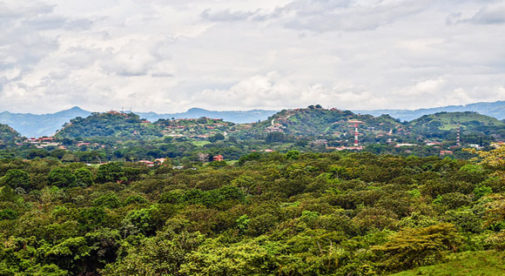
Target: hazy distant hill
point(36, 125)
point(237, 117)
point(493, 109)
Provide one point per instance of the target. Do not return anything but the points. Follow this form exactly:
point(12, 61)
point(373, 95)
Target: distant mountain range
point(493, 109)
point(238, 117)
point(36, 125)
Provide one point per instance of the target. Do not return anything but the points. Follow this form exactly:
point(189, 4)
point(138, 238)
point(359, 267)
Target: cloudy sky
point(170, 55)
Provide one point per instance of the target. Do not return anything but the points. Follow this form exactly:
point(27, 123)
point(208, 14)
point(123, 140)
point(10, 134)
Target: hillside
point(316, 122)
point(8, 135)
point(480, 263)
point(470, 122)
point(126, 126)
point(110, 124)
point(194, 128)
point(493, 109)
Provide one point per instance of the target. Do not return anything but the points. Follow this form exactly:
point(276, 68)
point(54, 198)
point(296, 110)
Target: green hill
point(451, 120)
point(313, 122)
point(337, 125)
point(8, 135)
point(126, 126)
point(443, 123)
point(110, 124)
point(316, 122)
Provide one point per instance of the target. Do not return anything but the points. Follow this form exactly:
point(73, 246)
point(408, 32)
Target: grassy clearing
point(200, 143)
point(480, 263)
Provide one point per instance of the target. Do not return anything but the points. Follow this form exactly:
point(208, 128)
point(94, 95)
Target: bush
point(108, 200)
point(135, 199)
point(415, 247)
point(8, 214)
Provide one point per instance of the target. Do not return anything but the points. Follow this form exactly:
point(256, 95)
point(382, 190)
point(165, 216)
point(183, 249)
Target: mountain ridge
point(301, 123)
point(37, 125)
point(494, 109)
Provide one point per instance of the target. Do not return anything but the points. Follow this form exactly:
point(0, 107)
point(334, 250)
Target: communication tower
point(355, 124)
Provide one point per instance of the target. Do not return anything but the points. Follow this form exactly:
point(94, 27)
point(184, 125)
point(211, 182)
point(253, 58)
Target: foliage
point(16, 178)
point(415, 247)
point(293, 213)
point(62, 177)
point(110, 172)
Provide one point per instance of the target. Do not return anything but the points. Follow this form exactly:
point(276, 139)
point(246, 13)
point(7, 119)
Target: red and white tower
point(458, 136)
point(356, 123)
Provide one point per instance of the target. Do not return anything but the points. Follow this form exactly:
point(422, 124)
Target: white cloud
point(168, 56)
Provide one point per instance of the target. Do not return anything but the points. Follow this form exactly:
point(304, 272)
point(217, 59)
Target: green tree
point(144, 221)
point(109, 200)
point(70, 254)
point(62, 177)
point(110, 172)
point(160, 255)
point(216, 137)
point(293, 154)
point(16, 178)
point(84, 177)
point(415, 247)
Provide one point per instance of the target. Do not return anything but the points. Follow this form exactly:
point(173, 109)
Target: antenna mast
point(458, 136)
point(356, 123)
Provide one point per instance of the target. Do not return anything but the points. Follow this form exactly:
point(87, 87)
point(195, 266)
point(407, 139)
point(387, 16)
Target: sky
point(171, 55)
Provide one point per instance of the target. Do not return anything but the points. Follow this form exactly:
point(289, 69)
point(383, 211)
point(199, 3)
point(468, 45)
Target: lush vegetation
point(8, 136)
point(285, 214)
point(443, 124)
point(110, 124)
point(330, 124)
point(333, 125)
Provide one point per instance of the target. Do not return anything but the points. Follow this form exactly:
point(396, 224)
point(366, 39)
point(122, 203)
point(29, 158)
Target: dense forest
point(269, 213)
point(115, 194)
point(111, 124)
